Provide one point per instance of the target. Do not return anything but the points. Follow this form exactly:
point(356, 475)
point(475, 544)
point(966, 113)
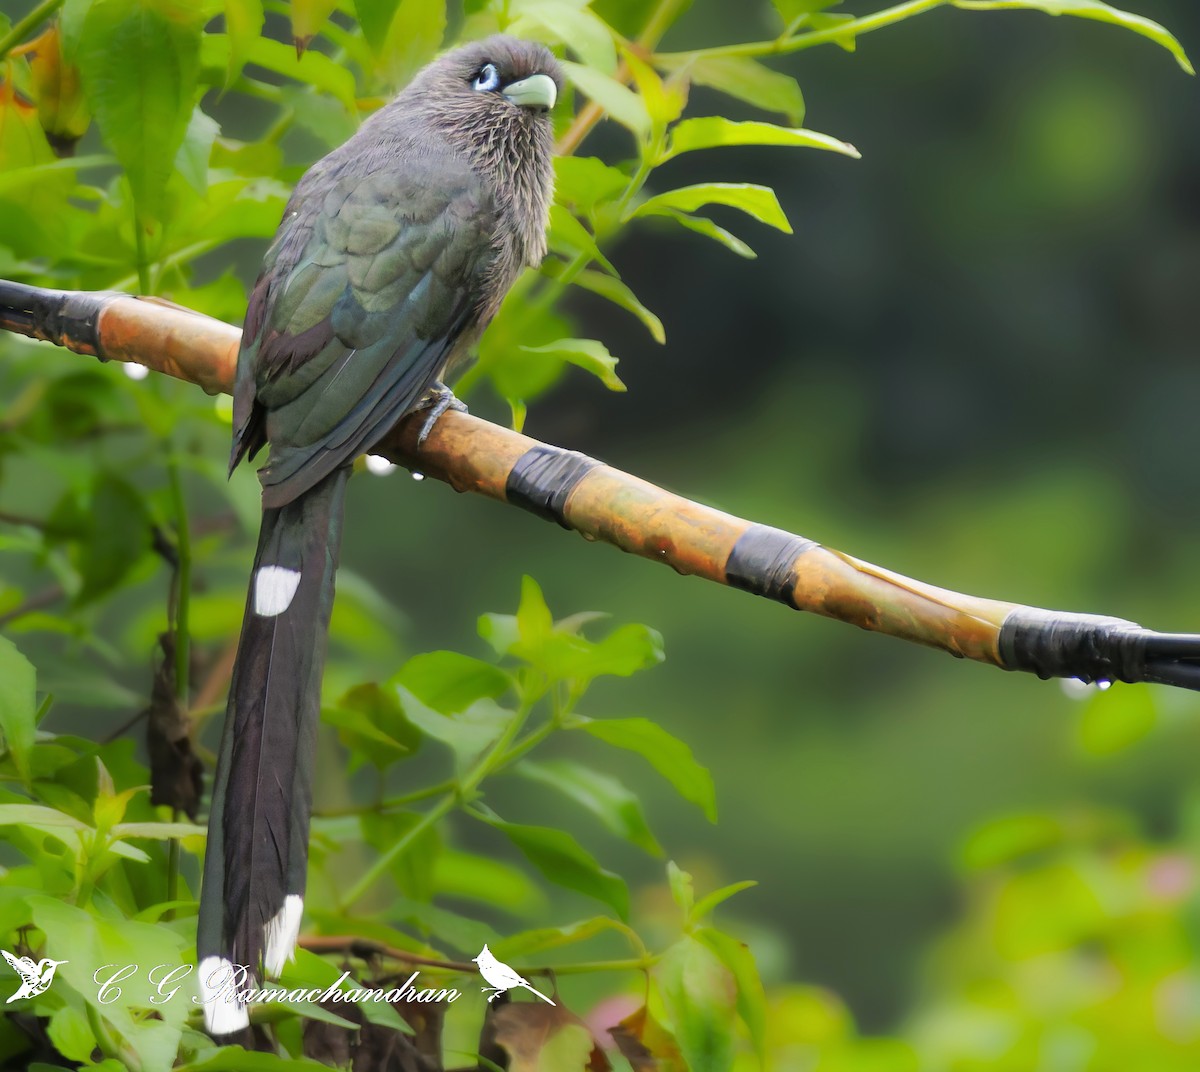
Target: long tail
point(257, 855)
point(528, 987)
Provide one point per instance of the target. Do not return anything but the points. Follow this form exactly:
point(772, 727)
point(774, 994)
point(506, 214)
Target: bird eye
point(488, 79)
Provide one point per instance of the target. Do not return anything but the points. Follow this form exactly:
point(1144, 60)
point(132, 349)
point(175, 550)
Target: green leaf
point(625, 651)
point(1091, 9)
point(561, 859)
point(18, 706)
point(708, 132)
point(308, 16)
point(699, 995)
point(583, 32)
point(499, 631)
point(413, 38)
point(87, 941)
point(683, 888)
point(748, 80)
point(588, 354)
point(751, 997)
point(664, 102)
point(192, 159)
point(371, 722)
point(583, 182)
point(158, 831)
point(668, 755)
point(714, 231)
point(243, 24)
point(413, 868)
point(619, 101)
point(71, 1034)
point(535, 623)
point(710, 901)
point(324, 117)
point(375, 17)
point(313, 68)
point(495, 883)
point(1008, 838)
point(120, 534)
point(450, 682)
point(235, 1059)
point(543, 938)
point(563, 654)
point(618, 293)
point(792, 10)
point(466, 733)
point(570, 238)
point(309, 971)
point(601, 794)
point(139, 61)
point(757, 201)
point(42, 818)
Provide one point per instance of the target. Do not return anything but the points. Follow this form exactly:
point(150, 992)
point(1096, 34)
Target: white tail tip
point(280, 934)
point(220, 981)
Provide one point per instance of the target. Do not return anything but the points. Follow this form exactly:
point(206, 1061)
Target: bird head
point(500, 79)
point(484, 954)
point(491, 101)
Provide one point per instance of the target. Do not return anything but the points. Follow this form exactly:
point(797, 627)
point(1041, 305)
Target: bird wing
point(23, 966)
point(373, 283)
point(506, 976)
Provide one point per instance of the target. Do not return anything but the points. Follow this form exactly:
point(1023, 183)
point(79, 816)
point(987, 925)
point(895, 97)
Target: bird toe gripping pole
point(607, 505)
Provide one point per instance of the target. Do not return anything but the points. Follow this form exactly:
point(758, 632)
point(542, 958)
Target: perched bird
point(394, 253)
point(35, 978)
point(501, 977)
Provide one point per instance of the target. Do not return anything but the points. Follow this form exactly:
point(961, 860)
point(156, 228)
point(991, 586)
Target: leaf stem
point(460, 790)
point(172, 870)
point(782, 45)
point(143, 263)
point(361, 947)
point(368, 878)
point(177, 258)
point(390, 803)
point(20, 29)
point(183, 580)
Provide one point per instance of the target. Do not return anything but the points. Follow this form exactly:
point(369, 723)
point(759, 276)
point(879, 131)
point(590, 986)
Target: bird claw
point(439, 399)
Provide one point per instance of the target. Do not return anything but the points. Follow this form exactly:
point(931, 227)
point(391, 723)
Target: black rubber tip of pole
point(53, 315)
point(1094, 648)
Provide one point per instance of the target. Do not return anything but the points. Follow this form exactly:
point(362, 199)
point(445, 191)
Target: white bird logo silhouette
point(35, 978)
point(501, 976)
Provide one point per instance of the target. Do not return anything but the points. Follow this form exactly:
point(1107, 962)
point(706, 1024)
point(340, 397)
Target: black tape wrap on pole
point(763, 561)
point(54, 315)
point(1095, 648)
point(543, 479)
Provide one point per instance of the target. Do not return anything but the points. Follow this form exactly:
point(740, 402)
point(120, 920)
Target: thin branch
point(365, 949)
point(213, 687)
point(47, 597)
point(779, 46)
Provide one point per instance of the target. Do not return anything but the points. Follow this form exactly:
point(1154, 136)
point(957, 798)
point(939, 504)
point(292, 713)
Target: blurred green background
point(973, 363)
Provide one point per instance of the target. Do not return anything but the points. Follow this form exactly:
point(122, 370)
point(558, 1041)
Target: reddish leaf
point(646, 1044)
point(546, 1038)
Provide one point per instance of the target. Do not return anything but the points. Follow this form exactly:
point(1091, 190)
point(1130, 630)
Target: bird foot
point(439, 399)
